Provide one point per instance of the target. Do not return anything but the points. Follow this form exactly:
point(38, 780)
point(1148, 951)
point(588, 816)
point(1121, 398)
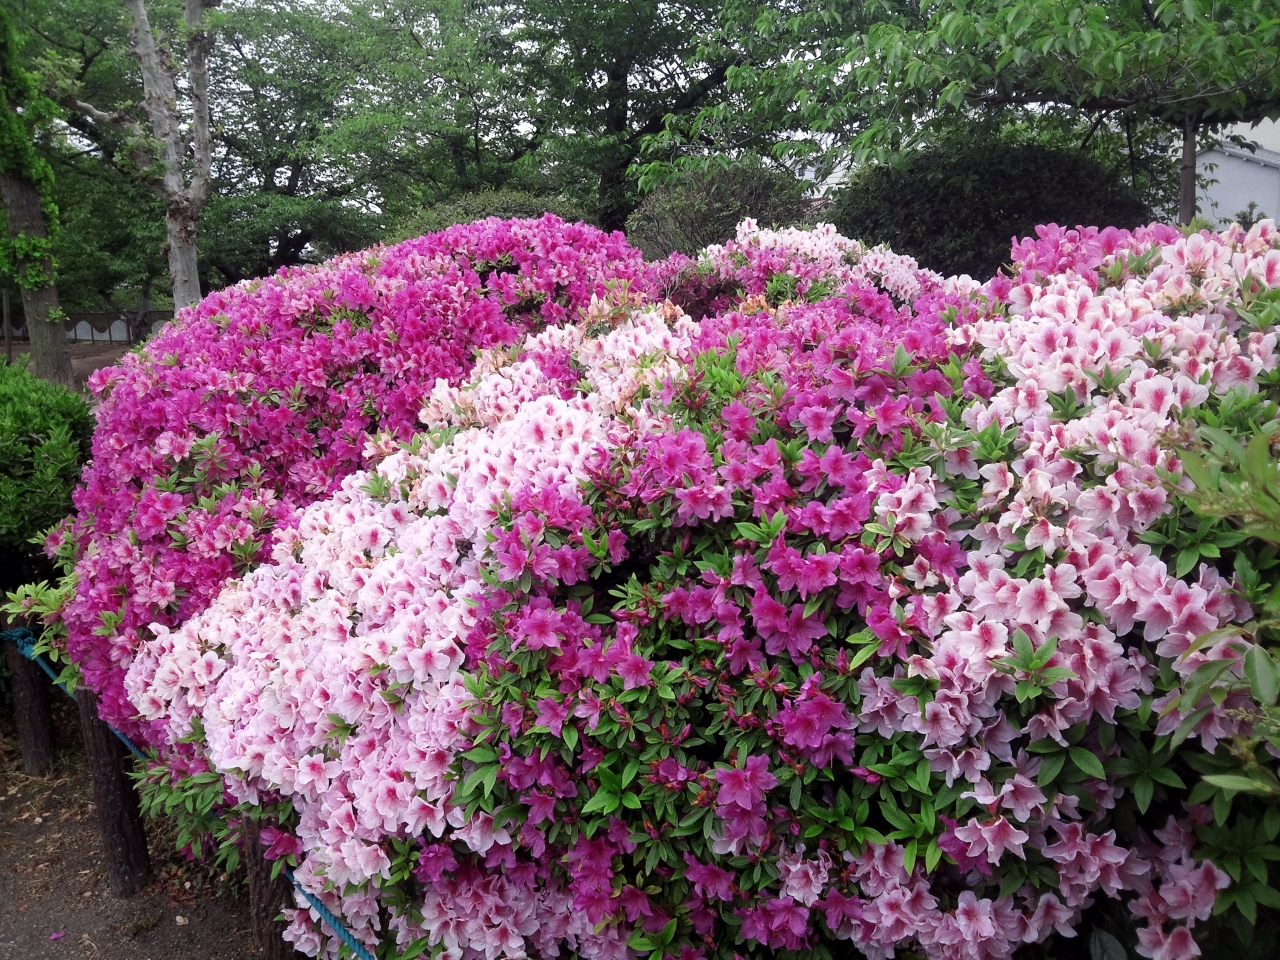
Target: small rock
point(180, 921)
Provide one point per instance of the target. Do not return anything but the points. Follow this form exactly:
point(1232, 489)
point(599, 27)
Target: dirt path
point(54, 900)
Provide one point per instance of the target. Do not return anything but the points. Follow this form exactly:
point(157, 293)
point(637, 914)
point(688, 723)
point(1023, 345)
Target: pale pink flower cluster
point(818, 259)
point(331, 677)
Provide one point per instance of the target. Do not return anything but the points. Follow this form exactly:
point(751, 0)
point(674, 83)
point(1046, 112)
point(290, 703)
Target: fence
point(97, 327)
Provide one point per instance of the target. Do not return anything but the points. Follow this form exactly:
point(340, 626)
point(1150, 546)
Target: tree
point(1193, 65)
point(608, 75)
point(26, 184)
point(174, 160)
point(292, 181)
point(111, 243)
point(505, 204)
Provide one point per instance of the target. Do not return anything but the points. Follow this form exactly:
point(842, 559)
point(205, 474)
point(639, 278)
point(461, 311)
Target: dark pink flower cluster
point(260, 398)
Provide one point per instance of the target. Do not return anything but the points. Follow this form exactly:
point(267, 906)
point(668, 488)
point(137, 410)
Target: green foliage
point(44, 439)
point(24, 259)
point(831, 81)
point(470, 207)
point(956, 204)
point(705, 207)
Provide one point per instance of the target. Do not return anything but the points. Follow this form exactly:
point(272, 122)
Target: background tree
point(172, 157)
point(26, 189)
point(470, 207)
point(292, 181)
point(111, 248)
point(1193, 65)
point(608, 75)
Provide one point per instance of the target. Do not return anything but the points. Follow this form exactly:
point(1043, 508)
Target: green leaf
point(1186, 561)
point(1087, 763)
point(1263, 674)
point(1143, 789)
point(668, 933)
point(1238, 784)
point(602, 802)
point(1050, 767)
point(1022, 647)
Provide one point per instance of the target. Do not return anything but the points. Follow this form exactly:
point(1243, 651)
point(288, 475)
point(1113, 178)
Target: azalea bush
point(257, 401)
point(839, 604)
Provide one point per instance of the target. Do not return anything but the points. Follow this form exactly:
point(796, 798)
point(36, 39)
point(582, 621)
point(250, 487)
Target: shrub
point(854, 618)
point(705, 208)
point(955, 205)
point(259, 399)
point(784, 265)
point(44, 440)
point(504, 204)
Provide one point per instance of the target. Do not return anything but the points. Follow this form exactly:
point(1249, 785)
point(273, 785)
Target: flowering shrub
point(257, 402)
point(790, 264)
point(870, 610)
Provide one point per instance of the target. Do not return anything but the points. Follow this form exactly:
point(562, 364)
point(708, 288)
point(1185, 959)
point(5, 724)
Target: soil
point(54, 899)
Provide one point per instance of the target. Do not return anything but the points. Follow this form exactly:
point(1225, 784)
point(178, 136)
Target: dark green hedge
point(955, 205)
point(44, 440)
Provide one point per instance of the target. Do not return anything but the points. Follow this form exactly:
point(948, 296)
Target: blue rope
point(25, 641)
point(345, 935)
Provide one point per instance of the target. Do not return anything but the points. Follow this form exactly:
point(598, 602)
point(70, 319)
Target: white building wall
point(1242, 176)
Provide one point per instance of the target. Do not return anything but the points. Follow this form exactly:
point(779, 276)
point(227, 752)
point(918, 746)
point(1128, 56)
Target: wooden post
point(31, 709)
point(124, 838)
point(267, 898)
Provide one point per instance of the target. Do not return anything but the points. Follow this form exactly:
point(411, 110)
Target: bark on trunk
point(30, 690)
point(181, 225)
point(614, 205)
point(142, 322)
point(50, 356)
point(124, 838)
point(267, 898)
point(1187, 171)
point(8, 327)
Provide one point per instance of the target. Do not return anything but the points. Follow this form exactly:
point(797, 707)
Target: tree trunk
point(31, 710)
point(124, 838)
point(615, 207)
point(267, 898)
point(617, 155)
point(8, 327)
point(181, 224)
point(142, 322)
point(50, 357)
point(1187, 171)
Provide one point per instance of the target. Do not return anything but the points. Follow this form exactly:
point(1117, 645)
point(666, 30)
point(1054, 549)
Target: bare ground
point(54, 899)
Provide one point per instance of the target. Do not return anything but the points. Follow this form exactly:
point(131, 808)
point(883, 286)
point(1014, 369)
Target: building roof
point(1262, 157)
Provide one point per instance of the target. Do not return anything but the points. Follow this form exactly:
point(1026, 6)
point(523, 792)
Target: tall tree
point(174, 158)
point(26, 185)
point(1194, 65)
point(292, 180)
point(608, 75)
